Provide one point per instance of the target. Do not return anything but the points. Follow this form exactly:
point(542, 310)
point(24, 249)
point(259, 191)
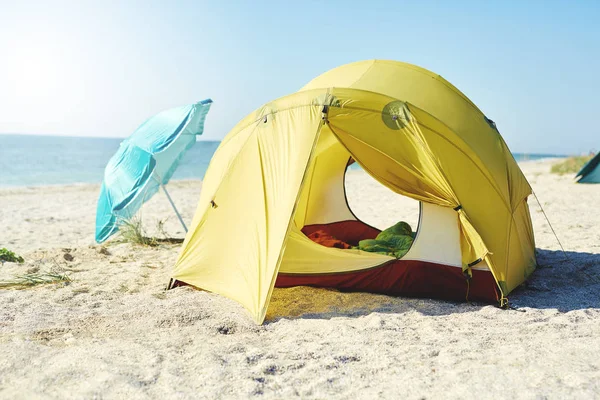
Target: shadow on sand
point(562, 283)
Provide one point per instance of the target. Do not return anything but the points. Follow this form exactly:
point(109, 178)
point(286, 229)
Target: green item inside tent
point(395, 241)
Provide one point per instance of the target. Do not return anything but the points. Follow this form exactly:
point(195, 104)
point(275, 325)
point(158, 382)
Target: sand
point(113, 332)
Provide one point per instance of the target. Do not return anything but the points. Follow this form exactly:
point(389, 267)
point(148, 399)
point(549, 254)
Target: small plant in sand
point(34, 279)
point(132, 231)
point(570, 165)
point(160, 227)
point(8, 256)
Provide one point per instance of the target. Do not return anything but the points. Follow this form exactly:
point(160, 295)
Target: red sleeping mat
point(400, 277)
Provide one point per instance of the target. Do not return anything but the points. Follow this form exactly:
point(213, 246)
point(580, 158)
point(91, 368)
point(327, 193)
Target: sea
point(32, 160)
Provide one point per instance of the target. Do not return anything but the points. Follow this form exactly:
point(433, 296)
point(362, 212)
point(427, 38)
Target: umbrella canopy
point(144, 162)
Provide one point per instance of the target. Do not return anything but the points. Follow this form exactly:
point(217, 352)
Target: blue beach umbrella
point(145, 162)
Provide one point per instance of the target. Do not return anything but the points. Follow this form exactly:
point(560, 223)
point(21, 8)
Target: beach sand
point(113, 332)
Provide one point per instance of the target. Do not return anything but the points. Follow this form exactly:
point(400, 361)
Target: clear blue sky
point(99, 68)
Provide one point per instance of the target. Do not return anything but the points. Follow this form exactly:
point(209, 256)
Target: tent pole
point(174, 208)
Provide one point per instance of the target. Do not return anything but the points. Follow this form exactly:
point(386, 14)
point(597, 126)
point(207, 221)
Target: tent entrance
point(375, 204)
point(371, 207)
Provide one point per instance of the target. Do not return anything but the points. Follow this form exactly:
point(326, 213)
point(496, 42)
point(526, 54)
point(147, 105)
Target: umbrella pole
point(174, 208)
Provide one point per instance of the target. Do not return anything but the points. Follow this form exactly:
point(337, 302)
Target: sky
point(100, 68)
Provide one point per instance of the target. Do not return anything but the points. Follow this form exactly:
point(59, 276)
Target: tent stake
point(174, 208)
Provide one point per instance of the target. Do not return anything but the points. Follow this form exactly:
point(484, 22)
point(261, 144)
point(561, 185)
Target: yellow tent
point(279, 174)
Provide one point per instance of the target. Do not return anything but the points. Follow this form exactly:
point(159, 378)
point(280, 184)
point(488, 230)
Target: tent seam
point(309, 190)
point(262, 174)
point(291, 220)
point(364, 73)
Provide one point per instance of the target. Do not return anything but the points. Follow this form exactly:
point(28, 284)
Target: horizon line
point(90, 136)
point(208, 139)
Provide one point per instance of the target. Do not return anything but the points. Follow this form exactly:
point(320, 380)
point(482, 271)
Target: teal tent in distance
point(590, 173)
point(145, 162)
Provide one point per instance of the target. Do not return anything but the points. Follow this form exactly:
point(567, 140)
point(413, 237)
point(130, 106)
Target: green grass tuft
point(34, 279)
point(571, 165)
point(8, 256)
point(132, 231)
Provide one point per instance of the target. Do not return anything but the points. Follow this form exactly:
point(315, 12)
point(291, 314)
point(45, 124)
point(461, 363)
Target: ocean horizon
point(39, 160)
